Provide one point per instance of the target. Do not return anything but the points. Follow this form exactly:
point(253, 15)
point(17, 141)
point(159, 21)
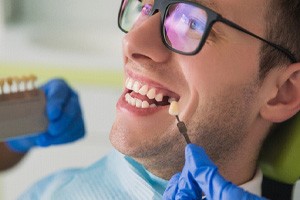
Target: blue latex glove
point(65, 119)
point(200, 175)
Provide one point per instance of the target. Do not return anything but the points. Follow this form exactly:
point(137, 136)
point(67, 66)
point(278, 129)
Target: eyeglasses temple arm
point(233, 25)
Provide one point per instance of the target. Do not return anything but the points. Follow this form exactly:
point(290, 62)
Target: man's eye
point(197, 25)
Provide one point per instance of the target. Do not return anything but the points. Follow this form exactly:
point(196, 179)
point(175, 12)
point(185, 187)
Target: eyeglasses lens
point(131, 13)
point(183, 26)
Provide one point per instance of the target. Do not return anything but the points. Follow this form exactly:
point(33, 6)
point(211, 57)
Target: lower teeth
point(138, 103)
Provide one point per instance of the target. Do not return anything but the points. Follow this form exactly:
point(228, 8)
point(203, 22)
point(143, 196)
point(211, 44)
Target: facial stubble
point(220, 125)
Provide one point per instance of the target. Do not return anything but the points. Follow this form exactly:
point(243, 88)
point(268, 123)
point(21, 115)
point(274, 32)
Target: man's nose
point(144, 41)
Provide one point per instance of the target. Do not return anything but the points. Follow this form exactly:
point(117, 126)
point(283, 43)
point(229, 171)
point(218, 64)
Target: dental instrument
point(174, 111)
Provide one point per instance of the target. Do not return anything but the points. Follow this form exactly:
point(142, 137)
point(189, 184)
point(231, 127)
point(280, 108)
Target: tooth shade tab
point(174, 108)
point(170, 100)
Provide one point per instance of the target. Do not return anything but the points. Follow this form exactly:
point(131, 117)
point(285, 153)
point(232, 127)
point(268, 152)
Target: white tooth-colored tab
point(159, 97)
point(129, 84)
point(138, 103)
point(145, 104)
point(171, 99)
point(126, 82)
point(144, 90)
point(151, 93)
point(174, 109)
point(136, 86)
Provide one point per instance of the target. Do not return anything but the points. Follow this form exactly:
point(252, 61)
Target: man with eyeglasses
point(233, 68)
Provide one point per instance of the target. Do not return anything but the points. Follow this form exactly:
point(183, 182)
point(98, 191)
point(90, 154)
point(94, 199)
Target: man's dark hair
point(283, 28)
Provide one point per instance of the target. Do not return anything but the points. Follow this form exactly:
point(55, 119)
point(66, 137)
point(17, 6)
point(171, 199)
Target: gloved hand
point(65, 119)
point(200, 175)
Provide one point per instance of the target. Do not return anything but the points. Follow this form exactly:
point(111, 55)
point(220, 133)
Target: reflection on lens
point(132, 11)
point(184, 26)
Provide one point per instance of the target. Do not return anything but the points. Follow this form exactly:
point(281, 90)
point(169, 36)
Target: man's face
point(217, 89)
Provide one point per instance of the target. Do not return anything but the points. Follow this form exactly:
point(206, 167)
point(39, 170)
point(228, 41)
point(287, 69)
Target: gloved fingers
point(187, 187)
point(63, 110)
point(197, 157)
point(73, 133)
point(172, 187)
point(69, 114)
point(205, 174)
point(57, 93)
point(21, 145)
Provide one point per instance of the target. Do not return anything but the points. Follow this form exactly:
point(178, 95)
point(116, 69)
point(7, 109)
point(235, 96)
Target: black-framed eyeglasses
point(185, 25)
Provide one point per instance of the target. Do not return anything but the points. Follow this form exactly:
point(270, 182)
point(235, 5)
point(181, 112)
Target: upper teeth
point(139, 88)
point(151, 93)
point(142, 89)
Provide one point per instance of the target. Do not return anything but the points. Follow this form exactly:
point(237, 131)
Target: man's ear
point(286, 102)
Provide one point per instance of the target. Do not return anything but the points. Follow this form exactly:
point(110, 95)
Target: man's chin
point(125, 142)
point(134, 144)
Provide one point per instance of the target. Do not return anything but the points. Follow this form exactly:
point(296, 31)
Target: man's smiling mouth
point(142, 95)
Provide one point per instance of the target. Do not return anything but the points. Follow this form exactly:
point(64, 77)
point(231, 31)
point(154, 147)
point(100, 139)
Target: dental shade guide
point(22, 107)
point(174, 111)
